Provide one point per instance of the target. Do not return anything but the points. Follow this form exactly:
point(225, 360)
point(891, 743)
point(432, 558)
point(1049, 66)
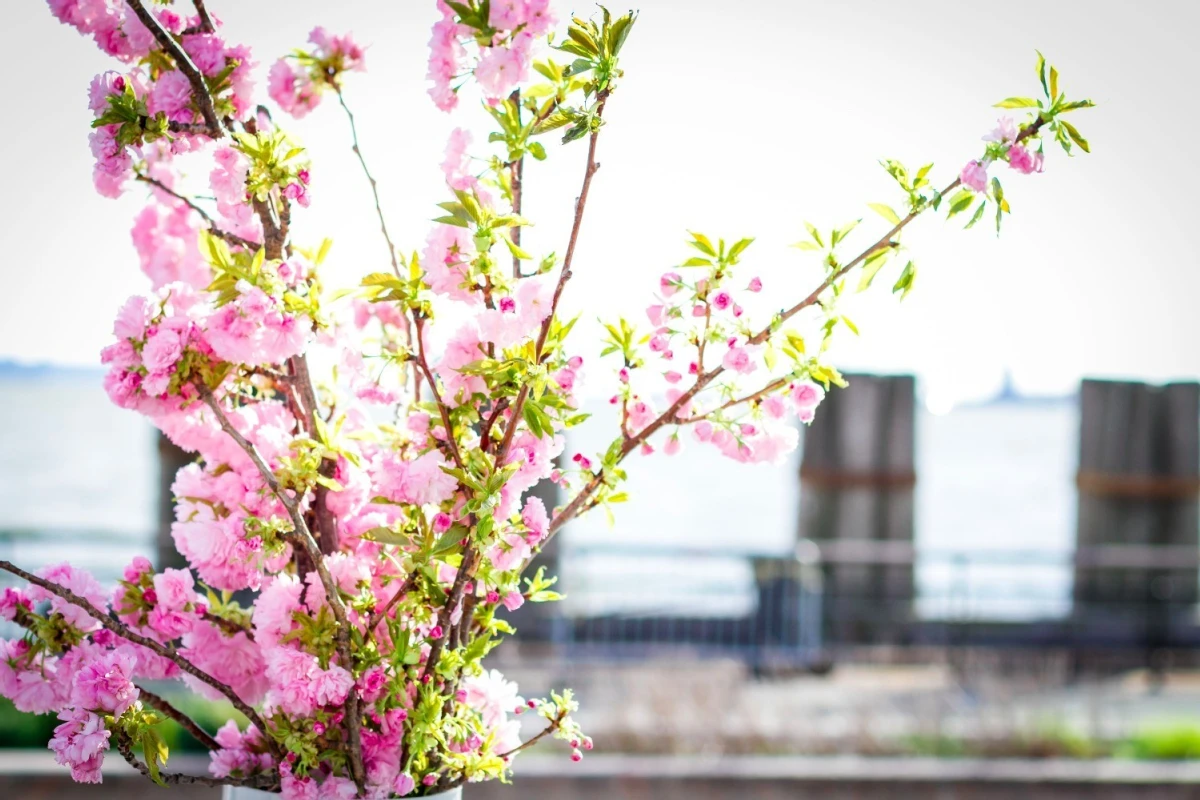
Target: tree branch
point(332, 591)
point(125, 632)
point(371, 179)
point(212, 224)
point(549, 729)
point(266, 782)
point(199, 87)
point(206, 23)
point(423, 362)
point(564, 276)
point(164, 706)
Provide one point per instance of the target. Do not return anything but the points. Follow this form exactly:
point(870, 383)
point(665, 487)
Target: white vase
point(242, 793)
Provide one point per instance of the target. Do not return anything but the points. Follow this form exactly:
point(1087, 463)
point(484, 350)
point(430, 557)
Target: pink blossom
point(79, 742)
point(514, 600)
point(170, 95)
point(292, 89)
point(1005, 131)
point(755, 285)
point(78, 581)
point(1023, 160)
point(739, 359)
point(656, 315)
point(673, 445)
point(105, 684)
point(670, 283)
point(974, 176)
point(721, 301)
point(806, 395)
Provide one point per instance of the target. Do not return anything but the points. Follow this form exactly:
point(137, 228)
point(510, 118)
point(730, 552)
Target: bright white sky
point(734, 119)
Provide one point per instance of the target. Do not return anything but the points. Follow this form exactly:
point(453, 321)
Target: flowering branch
point(548, 730)
point(371, 179)
point(125, 632)
point(267, 782)
point(206, 23)
point(212, 225)
point(332, 591)
point(199, 88)
point(164, 706)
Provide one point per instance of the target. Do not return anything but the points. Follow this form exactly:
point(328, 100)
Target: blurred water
point(82, 473)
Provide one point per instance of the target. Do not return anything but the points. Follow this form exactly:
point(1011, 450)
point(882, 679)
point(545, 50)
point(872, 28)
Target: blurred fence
point(772, 611)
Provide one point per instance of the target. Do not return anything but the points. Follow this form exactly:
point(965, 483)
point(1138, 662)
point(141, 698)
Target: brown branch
point(227, 625)
point(580, 203)
point(199, 87)
point(125, 632)
point(456, 590)
point(379, 616)
point(332, 592)
point(206, 23)
point(212, 224)
point(516, 176)
point(554, 725)
point(423, 362)
point(164, 706)
point(778, 383)
point(371, 179)
point(263, 781)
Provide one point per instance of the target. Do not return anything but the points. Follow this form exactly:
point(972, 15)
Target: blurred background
point(977, 578)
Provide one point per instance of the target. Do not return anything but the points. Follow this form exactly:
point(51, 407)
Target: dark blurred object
point(171, 459)
point(857, 477)
point(1139, 475)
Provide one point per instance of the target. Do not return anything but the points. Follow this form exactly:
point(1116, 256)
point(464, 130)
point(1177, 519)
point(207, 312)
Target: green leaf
point(1075, 137)
point(1041, 71)
point(872, 265)
point(1053, 83)
point(154, 750)
point(738, 247)
point(696, 261)
point(805, 246)
point(886, 212)
point(1017, 102)
point(978, 215)
point(815, 234)
point(702, 243)
point(960, 202)
point(904, 283)
point(846, 321)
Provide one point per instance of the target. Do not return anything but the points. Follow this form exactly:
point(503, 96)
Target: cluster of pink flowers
point(503, 62)
point(383, 556)
point(297, 82)
point(1003, 139)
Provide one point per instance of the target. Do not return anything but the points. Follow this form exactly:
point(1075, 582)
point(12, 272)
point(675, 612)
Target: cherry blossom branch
point(554, 725)
point(423, 362)
point(778, 383)
point(227, 625)
point(124, 631)
point(580, 501)
point(212, 225)
point(162, 705)
point(456, 591)
point(264, 781)
point(580, 203)
point(332, 591)
point(206, 23)
point(371, 179)
point(379, 616)
point(199, 87)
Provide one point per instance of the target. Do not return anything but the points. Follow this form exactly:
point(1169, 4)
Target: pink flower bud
point(318, 728)
point(493, 596)
point(430, 779)
point(755, 285)
point(436, 632)
point(441, 522)
point(576, 756)
point(587, 743)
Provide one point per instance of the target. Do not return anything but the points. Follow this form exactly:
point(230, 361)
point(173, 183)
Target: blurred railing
point(767, 610)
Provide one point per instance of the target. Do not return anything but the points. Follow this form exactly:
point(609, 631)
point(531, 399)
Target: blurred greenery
point(20, 730)
point(1164, 741)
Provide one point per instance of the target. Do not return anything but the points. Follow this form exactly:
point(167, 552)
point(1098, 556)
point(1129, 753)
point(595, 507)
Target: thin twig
point(554, 725)
point(267, 781)
point(164, 706)
point(580, 203)
point(212, 224)
point(125, 632)
point(423, 362)
point(581, 500)
point(206, 23)
point(199, 87)
point(370, 178)
point(332, 591)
